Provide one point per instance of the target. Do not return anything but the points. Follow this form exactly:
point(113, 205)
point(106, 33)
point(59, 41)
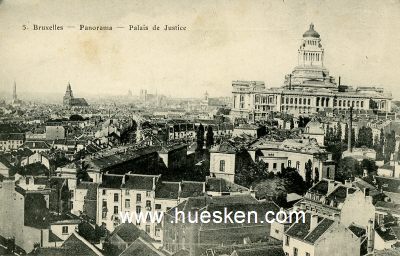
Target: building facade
point(307, 90)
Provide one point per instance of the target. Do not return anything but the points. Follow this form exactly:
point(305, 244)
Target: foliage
point(200, 138)
point(309, 181)
point(390, 145)
point(348, 168)
point(293, 181)
point(248, 171)
point(209, 137)
point(365, 137)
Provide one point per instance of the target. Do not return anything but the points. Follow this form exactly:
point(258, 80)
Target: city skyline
point(239, 42)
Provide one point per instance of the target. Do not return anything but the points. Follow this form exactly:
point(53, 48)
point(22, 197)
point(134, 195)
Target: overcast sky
point(225, 41)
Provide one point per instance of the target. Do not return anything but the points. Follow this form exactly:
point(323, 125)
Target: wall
point(230, 161)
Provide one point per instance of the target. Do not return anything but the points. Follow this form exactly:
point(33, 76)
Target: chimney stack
point(313, 221)
point(331, 186)
point(366, 192)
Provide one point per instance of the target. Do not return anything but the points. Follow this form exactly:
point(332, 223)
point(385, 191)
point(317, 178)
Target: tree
point(209, 137)
point(200, 138)
point(353, 137)
point(365, 137)
point(316, 175)
point(293, 181)
point(346, 133)
point(309, 173)
point(390, 145)
point(291, 123)
point(369, 165)
point(339, 131)
point(348, 168)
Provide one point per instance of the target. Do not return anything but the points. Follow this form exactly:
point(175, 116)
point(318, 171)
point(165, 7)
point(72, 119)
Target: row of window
point(127, 192)
point(300, 101)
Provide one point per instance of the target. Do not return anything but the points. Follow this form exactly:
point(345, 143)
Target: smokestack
point(313, 221)
point(290, 81)
point(339, 80)
point(349, 146)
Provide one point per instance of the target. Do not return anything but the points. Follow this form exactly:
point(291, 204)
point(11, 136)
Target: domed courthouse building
point(307, 90)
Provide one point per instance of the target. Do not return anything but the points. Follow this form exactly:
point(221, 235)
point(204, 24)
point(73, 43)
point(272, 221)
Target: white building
point(307, 90)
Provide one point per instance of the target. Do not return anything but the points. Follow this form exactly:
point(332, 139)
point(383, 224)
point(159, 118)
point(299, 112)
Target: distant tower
point(14, 96)
point(68, 95)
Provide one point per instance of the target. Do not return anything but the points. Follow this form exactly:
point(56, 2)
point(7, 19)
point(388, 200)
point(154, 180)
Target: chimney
point(313, 221)
point(347, 183)
point(339, 80)
point(366, 192)
point(336, 217)
point(347, 191)
point(370, 235)
point(331, 186)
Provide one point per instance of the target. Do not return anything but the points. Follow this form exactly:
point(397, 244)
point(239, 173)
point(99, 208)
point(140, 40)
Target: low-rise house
point(319, 236)
point(223, 162)
point(198, 237)
point(36, 158)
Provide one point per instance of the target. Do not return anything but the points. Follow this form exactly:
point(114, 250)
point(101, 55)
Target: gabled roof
point(222, 185)
point(111, 181)
point(339, 194)
point(168, 190)
point(129, 232)
point(301, 231)
point(141, 182)
point(388, 184)
point(225, 147)
point(192, 189)
point(142, 248)
point(266, 250)
point(77, 245)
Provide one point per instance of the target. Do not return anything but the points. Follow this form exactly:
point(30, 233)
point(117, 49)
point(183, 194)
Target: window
point(147, 229)
point(274, 166)
point(148, 193)
point(104, 203)
point(158, 206)
point(115, 209)
point(148, 204)
point(267, 166)
point(289, 163)
point(116, 197)
point(307, 254)
point(104, 192)
point(222, 165)
point(104, 215)
point(287, 240)
point(127, 192)
point(158, 232)
point(65, 230)
point(282, 166)
point(127, 203)
point(138, 209)
point(138, 197)
point(297, 165)
point(295, 251)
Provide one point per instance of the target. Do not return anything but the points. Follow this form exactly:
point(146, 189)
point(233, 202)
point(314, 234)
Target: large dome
point(311, 32)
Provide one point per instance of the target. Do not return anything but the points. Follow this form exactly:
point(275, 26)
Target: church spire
point(14, 96)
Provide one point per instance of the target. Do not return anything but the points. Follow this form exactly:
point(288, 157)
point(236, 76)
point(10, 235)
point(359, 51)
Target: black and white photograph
point(199, 128)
